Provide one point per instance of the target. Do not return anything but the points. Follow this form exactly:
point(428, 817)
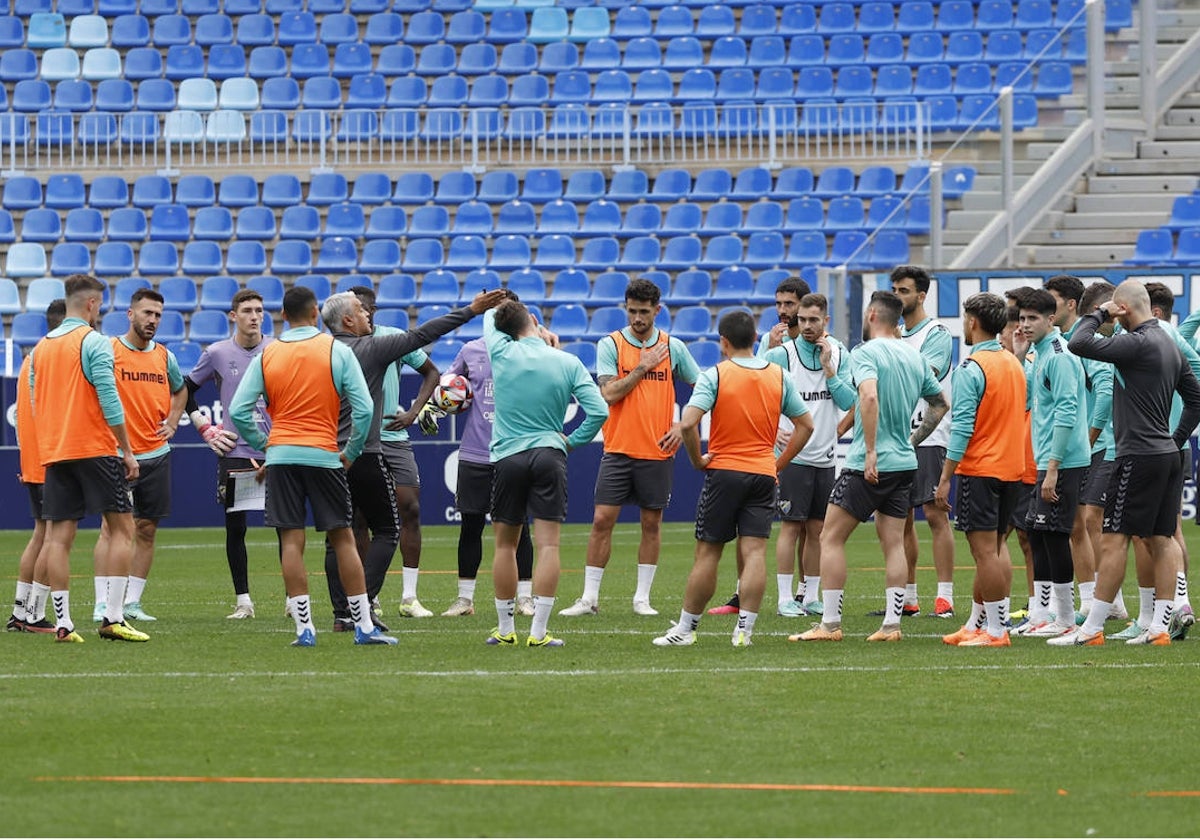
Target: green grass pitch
point(220, 728)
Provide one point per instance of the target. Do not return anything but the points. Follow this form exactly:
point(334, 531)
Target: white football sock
point(243, 600)
point(62, 608)
point(466, 588)
point(1064, 604)
point(1095, 618)
point(688, 622)
point(1145, 606)
point(945, 589)
point(1162, 616)
point(114, 604)
point(542, 606)
point(1181, 590)
point(1087, 594)
point(645, 579)
point(592, 575)
point(1039, 604)
point(504, 615)
point(360, 612)
point(525, 589)
point(833, 607)
point(134, 589)
point(21, 599)
point(995, 624)
point(101, 585)
point(301, 609)
point(975, 622)
point(745, 622)
point(893, 604)
point(910, 594)
point(409, 586)
point(785, 587)
point(36, 610)
point(812, 588)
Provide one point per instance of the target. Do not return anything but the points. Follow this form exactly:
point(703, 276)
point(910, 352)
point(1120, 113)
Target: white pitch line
point(597, 672)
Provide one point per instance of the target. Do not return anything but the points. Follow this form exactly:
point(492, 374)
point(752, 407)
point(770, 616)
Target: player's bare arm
point(936, 411)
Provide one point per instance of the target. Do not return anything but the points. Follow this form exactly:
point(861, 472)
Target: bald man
point(1143, 495)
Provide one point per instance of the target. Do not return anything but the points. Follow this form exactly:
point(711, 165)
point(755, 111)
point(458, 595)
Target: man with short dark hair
point(819, 366)
point(1067, 291)
point(225, 362)
point(1058, 401)
point(931, 338)
point(33, 589)
point(745, 396)
point(788, 294)
point(534, 383)
point(636, 369)
point(1144, 492)
point(987, 452)
point(304, 376)
point(86, 450)
point(891, 377)
point(152, 391)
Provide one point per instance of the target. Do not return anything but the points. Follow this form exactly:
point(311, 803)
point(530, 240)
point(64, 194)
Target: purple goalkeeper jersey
point(226, 362)
point(472, 362)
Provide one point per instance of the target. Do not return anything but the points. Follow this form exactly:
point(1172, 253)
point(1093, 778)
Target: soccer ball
point(453, 394)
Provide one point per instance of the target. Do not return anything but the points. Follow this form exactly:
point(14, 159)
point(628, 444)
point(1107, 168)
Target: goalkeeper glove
point(427, 419)
point(218, 439)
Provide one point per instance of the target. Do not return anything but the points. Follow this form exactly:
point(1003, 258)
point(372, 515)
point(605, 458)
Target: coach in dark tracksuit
point(371, 488)
point(1143, 495)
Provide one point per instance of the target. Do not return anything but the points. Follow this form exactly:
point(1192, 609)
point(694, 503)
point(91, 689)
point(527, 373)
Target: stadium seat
point(338, 255)
point(291, 257)
point(69, 258)
point(245, 257)
point(216, 295)
point(22, 192)
point(691, 322)
point(10, 297)
point(18, 65)
point(1154, 246)
point(184, 61)
point(28, 328)
point(114, 324)
point(396, 290)
point(267, 285)
point(179, 293)
point(46, 30)
point(12, 32)
point(83, 224)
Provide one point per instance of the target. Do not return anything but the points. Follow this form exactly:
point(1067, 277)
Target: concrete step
point(1187, 131)
point(1143, 184)
point(1154, 149)
point(1079, 255)
point(970, 220)
point(1111, 221)
point(1148, 167)
point(1102, 238)
point(1123, 203)
point(1181, 118)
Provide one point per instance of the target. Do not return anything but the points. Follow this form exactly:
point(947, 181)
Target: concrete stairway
point(1097, 225)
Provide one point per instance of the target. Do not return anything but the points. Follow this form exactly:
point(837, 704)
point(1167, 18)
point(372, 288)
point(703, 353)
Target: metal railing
point(617, 135)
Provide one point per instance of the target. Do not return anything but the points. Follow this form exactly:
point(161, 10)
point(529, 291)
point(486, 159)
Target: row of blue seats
point(350, 60)
point(733, 284)
point(535, 187)
point(571, 86)
point(508, 252)
point(650, 122)
point(173, 223)
point(195, 8)
point(1158, 246)
point(545, 25)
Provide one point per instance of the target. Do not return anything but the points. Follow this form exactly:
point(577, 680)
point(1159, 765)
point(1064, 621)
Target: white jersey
point(808, 376)
point(941, 435)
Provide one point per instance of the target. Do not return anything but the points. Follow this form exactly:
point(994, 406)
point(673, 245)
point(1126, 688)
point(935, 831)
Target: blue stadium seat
point(83, 224)
point(10, 297)
point(179, 293)
point(125, 288)
point(114, 96)
point(849, 248)
point(734, 285)
point(1003, 45)
point(155, 95)
point(18, 65)
point(721, 251)
point(114, 324)
point(327, 188)
point(320, 284)
point(345, 219)
point(171, 30)
point(396, 60)
point(383, 29)
point(763, 216)
point(100, 63)
point(510, 252)
point(437, 60)
point(555, 251)
point(423, 255)
point(692, 322)
point(350, 60)
point(683, 53)
point(641, 220)
point(245, 257)
point(604, 321)
point(448, 92)
point(187, 354)
point(310, 60)
point(28, 328)
point(963, 47)
point(1033, 14)
point(291, 256)
point(31, 95)
point(836, 17)
point(979, 112)
point(69, 258)
point(202, 257)
point(558, 217)
point(956, 15)
point(338, 255)
point(12, 32)
point(465, 27)
point(722, 218)
point(846, 212)
point(7, 228)
point(631, 22)
point(396, 290)
point(853, 81)
point(600, 253)
point(711, 185)
point(214, 29)
point(338, 28)
point(22, 192)
point(397, 318)
point(628, 186)
point(216, 294)
point(127, 224)
point(255, 30)
point(195, 8)
point(764, 250)
point(682, 219)
point(184, 61)
point(933, 80)
point(212, 324)
point(1054, 79)
point(600, 218)
point(297, 28)
point(271, 289)
point(142, 63)
point(158, 259)
point(569, 321)
point(170, 222)
point(46, 30)
point(281, 190)
point(478, 60)
point(641, 53)
point(73, 95)
point(508, 26)
point(380, 256)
